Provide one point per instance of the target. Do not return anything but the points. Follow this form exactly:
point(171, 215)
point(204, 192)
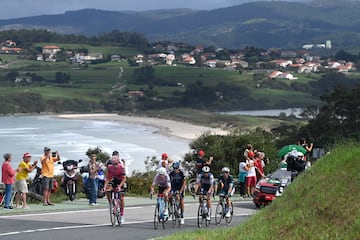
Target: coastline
point(166, 127)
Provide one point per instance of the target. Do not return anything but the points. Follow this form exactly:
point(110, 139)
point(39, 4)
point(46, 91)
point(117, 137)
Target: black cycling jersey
point(176, 180)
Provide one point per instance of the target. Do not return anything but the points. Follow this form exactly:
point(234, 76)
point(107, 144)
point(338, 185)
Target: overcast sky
point(25, 8)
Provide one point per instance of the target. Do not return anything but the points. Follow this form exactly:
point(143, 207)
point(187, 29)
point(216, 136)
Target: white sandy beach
point(166, 127)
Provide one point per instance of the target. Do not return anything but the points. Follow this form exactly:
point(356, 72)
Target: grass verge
point(322, 203)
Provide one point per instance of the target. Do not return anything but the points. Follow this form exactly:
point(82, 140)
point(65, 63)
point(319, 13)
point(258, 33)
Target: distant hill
point(260, 24)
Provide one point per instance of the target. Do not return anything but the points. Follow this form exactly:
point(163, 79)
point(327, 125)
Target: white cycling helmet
point(162, 171)
point(225, 169)
point(205, 169)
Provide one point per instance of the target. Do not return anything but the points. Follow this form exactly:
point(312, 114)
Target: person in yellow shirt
point(20, 186)
point(47, 172)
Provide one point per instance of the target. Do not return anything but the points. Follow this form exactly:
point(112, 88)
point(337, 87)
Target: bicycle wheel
point(156, 217)
point(177, 209)
point(191, 186)
point(207, 222)
point(200, 217)
point(118, 214)
point(172, 213)
point(112, 213)
point(229, 219)
point(219, 213)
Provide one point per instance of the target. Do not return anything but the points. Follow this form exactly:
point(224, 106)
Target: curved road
point(94, 224)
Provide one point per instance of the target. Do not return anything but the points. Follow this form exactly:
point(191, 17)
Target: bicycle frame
point(159, 211)
point(115, 207)
point(203, 211)
point(175, 208)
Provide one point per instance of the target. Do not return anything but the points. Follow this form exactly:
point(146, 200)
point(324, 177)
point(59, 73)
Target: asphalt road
point(94, 224)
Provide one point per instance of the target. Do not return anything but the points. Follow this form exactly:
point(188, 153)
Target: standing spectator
point(251, 177)
point(259, 166)
point(8, 178)
point(47, 171)
point(201, 161)
point(21, 186)
point(309, 147)
point(243, 172)
point(249, 148)
point(165, 162)
point(94, 168)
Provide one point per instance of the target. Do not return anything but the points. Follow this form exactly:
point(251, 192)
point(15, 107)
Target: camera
point(53, 154)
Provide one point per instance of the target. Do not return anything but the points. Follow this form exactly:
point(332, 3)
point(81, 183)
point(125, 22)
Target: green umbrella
point(288, 148)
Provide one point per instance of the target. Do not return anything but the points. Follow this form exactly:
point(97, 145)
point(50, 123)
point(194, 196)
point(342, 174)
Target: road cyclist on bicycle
point(162, 181)
point(178, 183)
point(115, 179)
point(226, 184)
point(205, 186)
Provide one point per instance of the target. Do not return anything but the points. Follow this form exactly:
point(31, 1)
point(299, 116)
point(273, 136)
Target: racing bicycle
point(221, 209)
point(203, 211)
point(159, 216)
point(115, 207)
point(175, 208)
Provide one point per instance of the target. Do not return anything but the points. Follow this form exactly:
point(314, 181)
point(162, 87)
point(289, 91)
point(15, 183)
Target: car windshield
point(280, 174)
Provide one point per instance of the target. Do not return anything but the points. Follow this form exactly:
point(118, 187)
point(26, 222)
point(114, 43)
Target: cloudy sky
point(25, 8)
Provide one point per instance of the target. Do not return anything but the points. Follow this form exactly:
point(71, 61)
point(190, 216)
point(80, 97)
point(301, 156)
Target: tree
point(338, 119)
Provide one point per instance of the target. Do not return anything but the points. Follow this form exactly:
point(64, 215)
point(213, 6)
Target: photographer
point(47, 171)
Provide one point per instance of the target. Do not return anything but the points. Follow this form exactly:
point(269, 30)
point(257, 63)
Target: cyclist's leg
point(182, 204)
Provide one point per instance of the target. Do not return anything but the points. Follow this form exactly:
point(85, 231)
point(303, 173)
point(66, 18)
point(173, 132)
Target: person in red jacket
point(8, 178)
point(259, 168)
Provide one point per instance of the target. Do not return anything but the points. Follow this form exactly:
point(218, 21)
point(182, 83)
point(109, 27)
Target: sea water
point(72, 138)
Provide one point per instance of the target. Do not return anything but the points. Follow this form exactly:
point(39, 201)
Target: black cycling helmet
point(115, 153)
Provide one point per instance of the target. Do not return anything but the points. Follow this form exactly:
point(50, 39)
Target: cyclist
point(178, 183)
point(116, 178)
point(205, 183)
point(226, 182)
point(162, 181)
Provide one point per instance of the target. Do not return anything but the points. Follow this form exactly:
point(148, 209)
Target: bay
point(72, 138)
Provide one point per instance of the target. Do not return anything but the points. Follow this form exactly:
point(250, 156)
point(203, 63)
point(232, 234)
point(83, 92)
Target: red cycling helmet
point(164, 156)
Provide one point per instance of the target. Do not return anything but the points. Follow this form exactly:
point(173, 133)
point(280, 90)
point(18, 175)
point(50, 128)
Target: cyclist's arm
point(122, 183)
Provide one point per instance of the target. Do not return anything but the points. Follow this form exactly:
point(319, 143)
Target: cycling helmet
point(205, 169)
point(162, 171)
point(225, 169)
point(115, 153)
point(176, 165)
point(300, 154)
point(164, 156)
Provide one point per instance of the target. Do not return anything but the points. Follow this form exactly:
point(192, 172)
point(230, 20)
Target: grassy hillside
point(322, 203)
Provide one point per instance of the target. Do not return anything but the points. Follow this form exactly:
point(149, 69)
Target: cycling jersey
point(161, 181)
point(117, 173)
point(227, 183)
point(205, 181)
point(177, 180)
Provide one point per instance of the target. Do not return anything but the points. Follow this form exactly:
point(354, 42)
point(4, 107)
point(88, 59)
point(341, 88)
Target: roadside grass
point(322, 203)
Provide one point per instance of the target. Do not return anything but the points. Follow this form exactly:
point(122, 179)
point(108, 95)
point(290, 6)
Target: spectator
point(309, 147)
point(248, 149)
point(47, 171)
point(251, 177)
point(21, 186)
point(201, 161)
point(243, 171)
point(94, 168)
point(165, 162)
point(8, 178)
point(259, 166)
